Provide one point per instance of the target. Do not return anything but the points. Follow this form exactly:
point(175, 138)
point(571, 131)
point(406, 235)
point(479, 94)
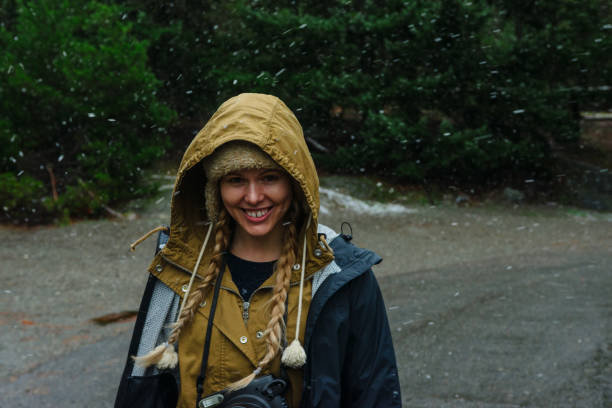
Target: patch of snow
point(345, 201)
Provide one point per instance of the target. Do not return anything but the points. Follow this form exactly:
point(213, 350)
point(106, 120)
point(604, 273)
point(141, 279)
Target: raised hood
point(267, 122)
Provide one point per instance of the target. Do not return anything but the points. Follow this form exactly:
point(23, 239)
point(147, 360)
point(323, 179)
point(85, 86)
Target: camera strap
point(211, 316)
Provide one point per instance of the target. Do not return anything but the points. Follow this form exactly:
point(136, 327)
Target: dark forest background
point(436, 92)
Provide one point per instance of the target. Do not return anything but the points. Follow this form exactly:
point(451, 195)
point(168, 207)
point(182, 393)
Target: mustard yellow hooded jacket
point(237, 344)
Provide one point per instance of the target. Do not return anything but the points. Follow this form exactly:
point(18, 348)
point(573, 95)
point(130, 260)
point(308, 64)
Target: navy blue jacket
point(351, 360)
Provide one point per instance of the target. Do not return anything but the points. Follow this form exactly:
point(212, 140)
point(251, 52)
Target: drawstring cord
point(147, 235)
point(294, 356)
point(195, 269)
point(301, 295)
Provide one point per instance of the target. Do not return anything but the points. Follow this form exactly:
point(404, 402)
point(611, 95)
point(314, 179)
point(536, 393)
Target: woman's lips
point(257, 215)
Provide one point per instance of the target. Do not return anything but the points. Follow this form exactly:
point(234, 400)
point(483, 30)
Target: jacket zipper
point(245, 311)
point(246, 304)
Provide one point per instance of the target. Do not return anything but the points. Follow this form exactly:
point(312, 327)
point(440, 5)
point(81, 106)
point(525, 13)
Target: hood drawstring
point(193, 274)
point(294, 356)
point(147, 235)
point(165, 356)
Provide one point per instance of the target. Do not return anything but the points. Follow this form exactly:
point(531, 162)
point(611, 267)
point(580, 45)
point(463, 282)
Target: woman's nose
point(253, 194)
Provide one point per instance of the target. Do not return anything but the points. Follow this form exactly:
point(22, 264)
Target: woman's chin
point(257, 229)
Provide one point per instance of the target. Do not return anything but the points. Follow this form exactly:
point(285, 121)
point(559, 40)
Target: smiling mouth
point(258, 214)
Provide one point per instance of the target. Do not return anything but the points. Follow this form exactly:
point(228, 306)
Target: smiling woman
point(255, 192)
point(257, 200)
point(245, 227)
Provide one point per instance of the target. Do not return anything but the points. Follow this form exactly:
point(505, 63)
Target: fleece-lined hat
point(232, 156)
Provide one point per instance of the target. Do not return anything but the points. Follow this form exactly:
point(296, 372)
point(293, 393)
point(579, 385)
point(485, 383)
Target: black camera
point(263, 392)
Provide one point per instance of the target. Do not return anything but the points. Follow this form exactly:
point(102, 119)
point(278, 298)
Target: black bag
point(154, 391)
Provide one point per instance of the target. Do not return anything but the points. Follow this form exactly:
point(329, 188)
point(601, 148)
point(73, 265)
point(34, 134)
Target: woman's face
point(257, 199)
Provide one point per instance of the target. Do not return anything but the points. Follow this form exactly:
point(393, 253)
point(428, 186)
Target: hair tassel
point(245, 381)
point(294, 356)
point(163, 356)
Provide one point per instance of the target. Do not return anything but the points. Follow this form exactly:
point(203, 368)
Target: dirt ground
point(495, 305)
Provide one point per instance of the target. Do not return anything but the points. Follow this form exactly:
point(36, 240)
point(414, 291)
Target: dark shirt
point(248, 275)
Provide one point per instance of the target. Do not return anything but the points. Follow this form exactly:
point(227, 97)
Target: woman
point(250, 288)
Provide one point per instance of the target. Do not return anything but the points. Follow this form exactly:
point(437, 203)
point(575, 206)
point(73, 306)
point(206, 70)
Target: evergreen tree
point(79, 111)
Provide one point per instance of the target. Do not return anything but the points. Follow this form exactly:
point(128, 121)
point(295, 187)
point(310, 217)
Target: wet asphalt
point(493, 307)
point(501, 333)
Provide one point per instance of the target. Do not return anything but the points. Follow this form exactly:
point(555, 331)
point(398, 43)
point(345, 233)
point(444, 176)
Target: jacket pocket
point(154, 391)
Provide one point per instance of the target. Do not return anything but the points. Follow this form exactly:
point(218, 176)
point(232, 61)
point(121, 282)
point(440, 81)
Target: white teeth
point(257, 214)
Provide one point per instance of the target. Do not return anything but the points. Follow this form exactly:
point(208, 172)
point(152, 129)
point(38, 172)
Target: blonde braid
point(164, 355)
point(275, 329)
point(275, 332)
point(222, 238)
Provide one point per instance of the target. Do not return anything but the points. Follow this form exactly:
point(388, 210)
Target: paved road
point(494, 334)
point(506, 333)
point(488, 307)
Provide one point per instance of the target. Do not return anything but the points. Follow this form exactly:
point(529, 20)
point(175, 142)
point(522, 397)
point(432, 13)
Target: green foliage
point(184, 53)
point(425, 90)
point(20, 196)
point(450, 91)
point(77, 97)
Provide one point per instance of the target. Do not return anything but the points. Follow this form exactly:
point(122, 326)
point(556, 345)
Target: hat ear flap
point(299, 207)
point(212, 200)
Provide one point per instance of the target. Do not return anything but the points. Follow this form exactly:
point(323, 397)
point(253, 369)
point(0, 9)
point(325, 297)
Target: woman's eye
point(270, 178)
point(233, 180)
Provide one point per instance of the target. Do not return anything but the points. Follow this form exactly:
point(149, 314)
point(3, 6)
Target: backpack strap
point(162, 239)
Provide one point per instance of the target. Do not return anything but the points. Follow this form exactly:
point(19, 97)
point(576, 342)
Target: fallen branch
point(115, 317)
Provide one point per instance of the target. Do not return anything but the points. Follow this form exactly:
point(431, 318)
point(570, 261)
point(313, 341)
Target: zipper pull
point(245, 311)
